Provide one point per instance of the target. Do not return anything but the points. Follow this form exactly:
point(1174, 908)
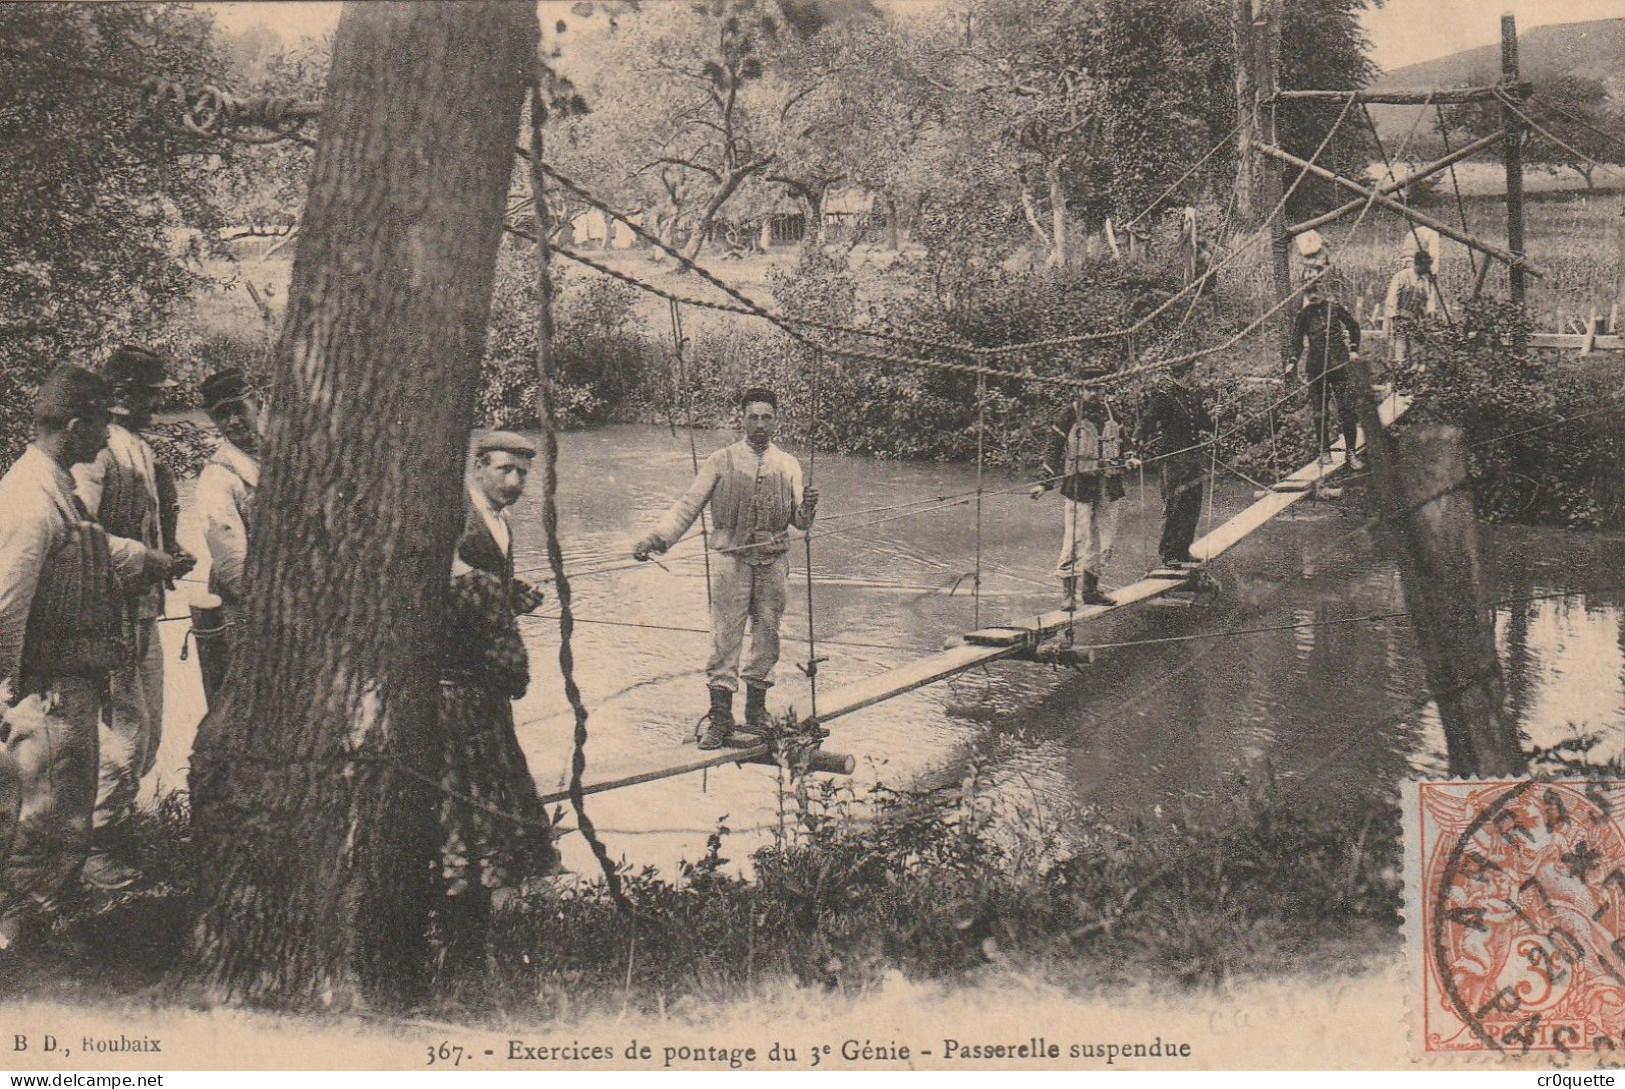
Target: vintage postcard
point(812, 535)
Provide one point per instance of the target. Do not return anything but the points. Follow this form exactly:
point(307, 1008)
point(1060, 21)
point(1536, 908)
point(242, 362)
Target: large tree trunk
point(312, 811)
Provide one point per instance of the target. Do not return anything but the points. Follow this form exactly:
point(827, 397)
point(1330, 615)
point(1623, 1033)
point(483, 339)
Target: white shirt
point(225, 488)
point(495, 520)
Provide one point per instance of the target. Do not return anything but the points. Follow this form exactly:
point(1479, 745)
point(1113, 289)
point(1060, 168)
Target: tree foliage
point(1577, 113)
point(104, 216)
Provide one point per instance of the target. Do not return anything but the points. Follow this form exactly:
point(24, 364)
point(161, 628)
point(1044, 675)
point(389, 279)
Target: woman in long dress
point(494, 829)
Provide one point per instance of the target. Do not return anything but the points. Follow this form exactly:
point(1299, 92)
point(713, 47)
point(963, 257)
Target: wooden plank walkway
point(1003, 641)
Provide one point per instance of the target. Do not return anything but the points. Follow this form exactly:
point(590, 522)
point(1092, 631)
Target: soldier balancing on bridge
point(1325, 337)
point(1084, 457)
point(755, 493)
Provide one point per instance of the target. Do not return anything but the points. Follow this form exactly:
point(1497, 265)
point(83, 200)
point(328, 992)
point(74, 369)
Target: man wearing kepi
point(755, 493)
point(495, 483)
point(120, 488)
point(62, 584)
point(225, 498)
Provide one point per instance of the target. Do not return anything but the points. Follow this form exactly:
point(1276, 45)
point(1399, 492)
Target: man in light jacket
point(755, 493)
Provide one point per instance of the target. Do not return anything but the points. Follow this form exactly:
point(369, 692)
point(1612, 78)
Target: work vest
point(754, 515)
point(75, 622)
point(1087, 446)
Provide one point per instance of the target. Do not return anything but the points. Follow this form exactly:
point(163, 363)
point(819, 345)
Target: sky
point(1402, 31)
point(1407, 31)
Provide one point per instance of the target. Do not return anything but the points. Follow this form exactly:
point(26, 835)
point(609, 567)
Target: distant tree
point(104, 216)
point(1324, 48)
point(1559, 99)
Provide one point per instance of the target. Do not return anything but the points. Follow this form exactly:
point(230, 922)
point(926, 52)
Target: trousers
point(53, 746)
point(1090, 530)
point(1323, 388)
point(1181, 503)
point(745, 592)
point(131, 727)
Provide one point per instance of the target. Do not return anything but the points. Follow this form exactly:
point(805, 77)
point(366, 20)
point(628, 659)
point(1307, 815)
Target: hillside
point(1594, 49)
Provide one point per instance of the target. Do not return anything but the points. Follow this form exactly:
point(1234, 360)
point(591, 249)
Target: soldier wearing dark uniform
point(1175, 425)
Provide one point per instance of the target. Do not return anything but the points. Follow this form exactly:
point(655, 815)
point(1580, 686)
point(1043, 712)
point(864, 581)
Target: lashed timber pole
point(1456, 96)
point(1426, 501)
point(1409, 213)
point(1390, 188)
point(1512, 153)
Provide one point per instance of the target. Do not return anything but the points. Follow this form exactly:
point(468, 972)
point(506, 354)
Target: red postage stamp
point(1516, 915)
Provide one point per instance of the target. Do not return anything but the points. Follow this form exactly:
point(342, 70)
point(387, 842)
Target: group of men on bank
point(87, 550)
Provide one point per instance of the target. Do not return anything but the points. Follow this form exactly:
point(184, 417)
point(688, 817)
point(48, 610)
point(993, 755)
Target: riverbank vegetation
point(934, 885)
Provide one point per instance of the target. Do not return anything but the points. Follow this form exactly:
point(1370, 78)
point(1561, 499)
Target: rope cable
point(1461, 206)
point(550, 510)
point(679, 343)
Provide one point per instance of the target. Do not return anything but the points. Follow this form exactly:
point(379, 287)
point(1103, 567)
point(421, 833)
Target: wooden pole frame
point(1398, 185)
point(1512, 153)
point(1517, 261)
point(1455, 96)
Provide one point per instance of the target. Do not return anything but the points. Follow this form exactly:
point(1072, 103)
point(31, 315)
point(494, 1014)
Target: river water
point(1272, 675)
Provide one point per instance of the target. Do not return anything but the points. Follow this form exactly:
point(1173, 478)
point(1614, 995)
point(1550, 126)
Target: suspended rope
point(679, 344)
point(981, 427)
point(1461, 206)
point(813, 658)
point(1388, 167)
point(550, 508)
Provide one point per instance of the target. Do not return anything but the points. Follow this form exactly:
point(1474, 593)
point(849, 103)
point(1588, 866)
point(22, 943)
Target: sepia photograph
point(777, 535)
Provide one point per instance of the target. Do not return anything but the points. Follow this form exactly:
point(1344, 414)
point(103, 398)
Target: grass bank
point(922, 886)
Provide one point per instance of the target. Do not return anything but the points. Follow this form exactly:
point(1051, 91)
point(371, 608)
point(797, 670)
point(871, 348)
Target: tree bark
point(312, 809)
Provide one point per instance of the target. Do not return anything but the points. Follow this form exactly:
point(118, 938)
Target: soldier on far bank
point(1413, 294)
point(121, 489)
point(63, 579)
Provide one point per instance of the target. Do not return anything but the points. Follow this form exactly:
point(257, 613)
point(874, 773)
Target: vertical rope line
point(1461, 207)
point(806, 540)
point(550, 508)
point(981, 427)
point(679, 343)
point(1068, 467)
point(1213, 473)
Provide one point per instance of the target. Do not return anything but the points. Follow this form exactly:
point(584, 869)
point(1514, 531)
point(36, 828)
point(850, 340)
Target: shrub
point(1540, 451)
point(606, 364)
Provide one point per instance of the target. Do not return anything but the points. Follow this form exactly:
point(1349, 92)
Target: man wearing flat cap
point(63, 579)
point(495, 483)
point(225, 496)
point(755, 493)
point(122, 488)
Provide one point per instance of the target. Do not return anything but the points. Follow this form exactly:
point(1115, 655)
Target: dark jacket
point(1172, 418)
point(1082, 487)
point(479, 550)
point(1328, 332)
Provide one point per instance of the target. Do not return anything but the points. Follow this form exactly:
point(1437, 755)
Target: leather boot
point(1091, 591)
point(719, 721)
point(756, 717)
point(1069, 592)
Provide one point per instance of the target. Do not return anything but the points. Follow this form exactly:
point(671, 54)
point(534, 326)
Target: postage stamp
point(1515, 916)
